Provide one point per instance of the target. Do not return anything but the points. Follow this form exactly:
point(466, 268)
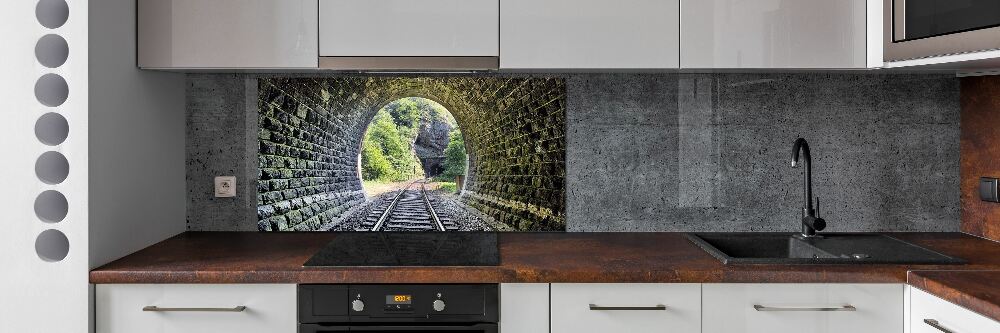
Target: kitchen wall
point(980, 151)
point(683, 152)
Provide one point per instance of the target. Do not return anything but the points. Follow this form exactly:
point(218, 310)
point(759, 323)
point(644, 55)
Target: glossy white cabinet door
point(227, 33)
point(270, 308)
point(589, 34)
point(674, 308)
point(524, 308)
point(409, 28)
point(729, 308)
point(774, 34)
point(924, 306)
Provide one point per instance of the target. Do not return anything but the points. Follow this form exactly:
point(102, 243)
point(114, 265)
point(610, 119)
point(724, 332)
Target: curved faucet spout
point(810, 222)
point(803, 146)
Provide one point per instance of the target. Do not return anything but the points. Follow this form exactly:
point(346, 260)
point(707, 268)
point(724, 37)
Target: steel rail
point(430, 208)
point(388, 210)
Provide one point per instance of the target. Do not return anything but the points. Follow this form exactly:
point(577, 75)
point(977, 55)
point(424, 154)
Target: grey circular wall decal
point(51, 90)
point(52, 245)
point(52, 13)
point(51, 51)
point(51, 129)
point(51, 206)
point(52, 167)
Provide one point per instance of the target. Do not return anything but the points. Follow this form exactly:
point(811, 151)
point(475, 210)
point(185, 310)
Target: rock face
point(431, 142)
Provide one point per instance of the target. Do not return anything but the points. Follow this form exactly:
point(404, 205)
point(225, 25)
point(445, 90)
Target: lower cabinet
point(180, 308)
point(570, 308)
point(802, 308)
point(930, 314)
point(634, 308)
point(524, 308)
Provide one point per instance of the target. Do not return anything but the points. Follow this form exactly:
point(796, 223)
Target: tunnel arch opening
point(412, 138)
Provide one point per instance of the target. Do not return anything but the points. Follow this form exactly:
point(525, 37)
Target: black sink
point(788, 248)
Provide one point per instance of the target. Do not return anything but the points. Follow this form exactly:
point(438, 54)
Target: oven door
point(914, 29)
point(473, 328)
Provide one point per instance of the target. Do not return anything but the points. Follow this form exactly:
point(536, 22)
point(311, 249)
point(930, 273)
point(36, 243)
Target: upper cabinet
point(589, 34)
point(409, 34)
point(193, 34)
point(780, 34)
point(582, 35)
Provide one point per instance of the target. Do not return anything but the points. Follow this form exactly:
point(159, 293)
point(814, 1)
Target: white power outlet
point(225, 187)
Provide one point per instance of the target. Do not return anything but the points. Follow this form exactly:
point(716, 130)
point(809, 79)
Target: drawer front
point(589, 34)
point(406, 28)
point(634, 308)
point(227, 33)
point(269, 308)
point(524, 308)
point(946, 315)
point(778, 308)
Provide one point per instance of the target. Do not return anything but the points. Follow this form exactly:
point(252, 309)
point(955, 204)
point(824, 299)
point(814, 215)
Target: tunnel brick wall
point(310, 132)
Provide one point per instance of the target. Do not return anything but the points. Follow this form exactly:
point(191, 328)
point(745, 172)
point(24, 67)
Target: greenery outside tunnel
point(408, 139)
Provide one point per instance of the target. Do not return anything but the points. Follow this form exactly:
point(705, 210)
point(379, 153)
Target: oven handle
point(485, 328)
point(313, 328)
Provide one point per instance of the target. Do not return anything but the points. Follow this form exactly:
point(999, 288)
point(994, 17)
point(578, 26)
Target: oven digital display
point(398, 299)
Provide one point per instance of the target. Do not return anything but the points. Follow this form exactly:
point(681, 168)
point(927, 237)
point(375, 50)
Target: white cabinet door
point(589, 34)
point(524, 308)
point(780, 308)
point(774, 34)
point(633, 308)
point(270, 308)
point(927, 310)
point(408, 28)
point(227, 34)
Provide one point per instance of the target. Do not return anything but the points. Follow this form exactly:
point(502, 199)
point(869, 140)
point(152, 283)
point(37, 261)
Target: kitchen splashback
point(411, 154)
point(665, 152)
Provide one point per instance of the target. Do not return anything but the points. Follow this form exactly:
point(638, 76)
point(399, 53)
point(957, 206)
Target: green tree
point(406, 114)
point(387, 149)
point(383, 144)
point(454, 156)
point(374, 164)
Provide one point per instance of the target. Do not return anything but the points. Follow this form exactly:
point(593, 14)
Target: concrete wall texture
point(690, 152)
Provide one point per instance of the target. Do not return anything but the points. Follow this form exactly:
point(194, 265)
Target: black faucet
point(810, 221)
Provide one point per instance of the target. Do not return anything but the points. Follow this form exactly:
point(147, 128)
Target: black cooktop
point(448, 248)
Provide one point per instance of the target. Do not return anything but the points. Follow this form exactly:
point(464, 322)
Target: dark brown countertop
point(250, 257)
point(978, 291)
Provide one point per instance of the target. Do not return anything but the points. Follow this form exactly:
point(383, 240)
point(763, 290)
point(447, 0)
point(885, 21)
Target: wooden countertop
point(250, 257)
point(978, 291)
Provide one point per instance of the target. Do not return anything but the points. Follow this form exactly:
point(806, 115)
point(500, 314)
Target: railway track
point(411, 209)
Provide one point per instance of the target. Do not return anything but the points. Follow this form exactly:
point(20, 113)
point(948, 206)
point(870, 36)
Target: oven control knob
point(438, 305)
point(358, 305)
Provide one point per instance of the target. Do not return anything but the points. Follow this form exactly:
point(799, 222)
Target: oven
point(916, 29)
point(377, 308)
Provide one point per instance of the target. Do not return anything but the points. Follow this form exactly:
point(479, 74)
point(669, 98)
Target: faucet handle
point(817, 206)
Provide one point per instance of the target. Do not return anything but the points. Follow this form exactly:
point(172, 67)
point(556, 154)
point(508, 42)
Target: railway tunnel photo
point(411, 154)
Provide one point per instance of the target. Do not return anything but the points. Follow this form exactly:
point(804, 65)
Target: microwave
point(915, 29)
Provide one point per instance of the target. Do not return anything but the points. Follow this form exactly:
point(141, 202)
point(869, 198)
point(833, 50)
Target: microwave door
point(916, 29)
point(916, 19)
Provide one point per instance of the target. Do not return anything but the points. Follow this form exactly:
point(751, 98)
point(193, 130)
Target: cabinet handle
point(935, 324)
point(159, 309)
point(596, 307)
point(759, 307)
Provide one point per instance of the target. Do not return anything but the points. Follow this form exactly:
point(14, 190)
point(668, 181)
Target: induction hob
point(449, 248)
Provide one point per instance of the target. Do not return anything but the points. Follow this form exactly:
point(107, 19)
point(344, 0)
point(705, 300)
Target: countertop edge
point(936, 282)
